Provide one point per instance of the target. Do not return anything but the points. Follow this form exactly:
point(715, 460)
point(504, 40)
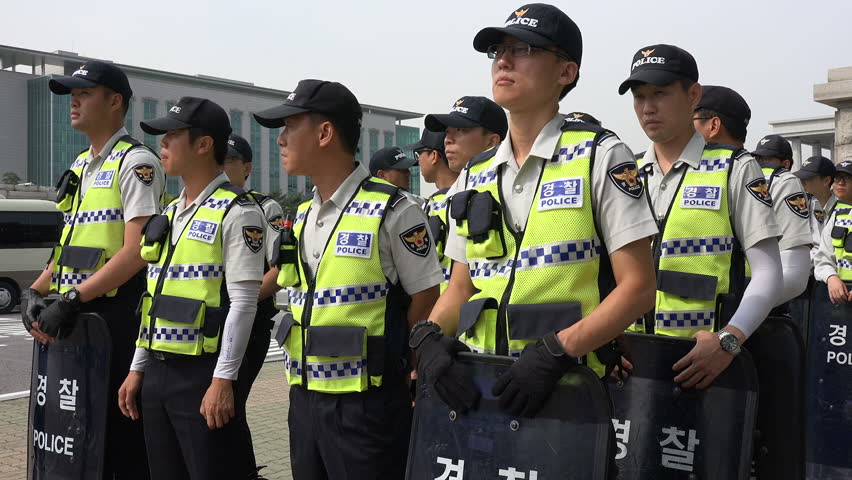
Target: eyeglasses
point(519, 50)
point(417, 153)
point(842, 179)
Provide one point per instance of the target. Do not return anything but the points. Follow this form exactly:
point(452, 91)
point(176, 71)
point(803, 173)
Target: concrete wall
point(13, 123)
point(32, 192)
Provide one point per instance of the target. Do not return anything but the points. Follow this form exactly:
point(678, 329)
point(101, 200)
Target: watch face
point(729, 342)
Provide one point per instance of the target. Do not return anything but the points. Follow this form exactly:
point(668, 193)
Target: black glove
point(32, 303)
point(529, 381)
point(58, 315)
point(436, 355)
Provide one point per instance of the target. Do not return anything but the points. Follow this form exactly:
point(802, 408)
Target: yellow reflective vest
point(437, 212)
point(842, 241)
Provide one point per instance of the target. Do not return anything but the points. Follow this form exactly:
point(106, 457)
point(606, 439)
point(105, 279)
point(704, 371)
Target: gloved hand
point(58, 315)
point(436, 355)
point(32, 303)
point(525, 388)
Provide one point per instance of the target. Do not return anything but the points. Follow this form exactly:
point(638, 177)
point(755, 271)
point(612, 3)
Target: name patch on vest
point(354, 244)
point(562, 193)
point(103, 179)
point(202, 230)
point(707, 197)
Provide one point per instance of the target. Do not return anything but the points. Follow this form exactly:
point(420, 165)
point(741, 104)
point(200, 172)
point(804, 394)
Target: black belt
point(163, 356)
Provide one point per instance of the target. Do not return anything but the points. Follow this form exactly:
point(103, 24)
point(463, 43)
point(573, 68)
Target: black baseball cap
point(540, 25)
point(817, 166)
point(844, 167)
point(660, 65)
point(190, 112)
point(331, 99)
point(431, 140)
point(731, 107)
point(239, 147)
point(390, 158)
point(778, 146)
point(582, 117)
point(90, 74)
point(470, 112)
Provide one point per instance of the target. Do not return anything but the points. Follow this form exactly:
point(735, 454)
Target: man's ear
point(203, 145)
point(325, 133)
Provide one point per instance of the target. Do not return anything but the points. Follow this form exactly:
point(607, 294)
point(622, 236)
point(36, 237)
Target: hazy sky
point(418, 55)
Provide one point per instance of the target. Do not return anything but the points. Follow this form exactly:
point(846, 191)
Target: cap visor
point(765, 152)
point(404, 164)
point(803, 174)
point(660, 78)
point(494, 35)
point(274, 117)
point(441, 121)
point(63, 85)
point(159, 126)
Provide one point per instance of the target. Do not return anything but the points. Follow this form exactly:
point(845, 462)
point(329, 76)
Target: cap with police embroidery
point(91, 74)
point(582, 117)
point(320, 96)
point(817, 166)
point(390, 158)
point(471, 112)
point(778, 147)
point(538, 24)
point(844, 167)
point(429, 140)
point(239, 147)
point(730, 105)
point(190, 112)
point(660, 65)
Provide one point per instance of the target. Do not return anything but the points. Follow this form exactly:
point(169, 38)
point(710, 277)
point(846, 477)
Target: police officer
point(392, 165)
point(532, 224)
point(474, 125)
point(722, 116)
point(817, 176)
point(205, 255)
point(833, 264)
point(358, 248)
point(108, 194)
point(712, 195)
point(582, 117)
point(238, 165)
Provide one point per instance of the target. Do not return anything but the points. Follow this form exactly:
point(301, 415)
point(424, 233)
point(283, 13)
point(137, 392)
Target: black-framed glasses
point(519, 50)
point(422, 150)
point(842, 178)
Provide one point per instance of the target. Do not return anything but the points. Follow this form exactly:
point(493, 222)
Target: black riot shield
point(68, 403)
point(665, 432)
point(778, 353)
point(570, 438)
point(829, 388)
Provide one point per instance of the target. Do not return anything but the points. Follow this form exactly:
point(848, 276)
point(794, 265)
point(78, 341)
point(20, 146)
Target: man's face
point(397, 176)
point(176, 152)
point(299, 140)
point(527, 82)
point(818, 186)
point(426, 159)
point(90, 107)
point(236, 170)
point(841, 187)
point(462, 144)
point(664, 112)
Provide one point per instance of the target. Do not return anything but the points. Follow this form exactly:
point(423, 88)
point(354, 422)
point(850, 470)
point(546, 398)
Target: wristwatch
point(73, 297)
point(420, 331)
point(729, 342)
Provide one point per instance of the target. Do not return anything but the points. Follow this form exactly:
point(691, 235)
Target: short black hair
point(350, 137)
point(125, 100)
point(737, 131)
point(220, 142)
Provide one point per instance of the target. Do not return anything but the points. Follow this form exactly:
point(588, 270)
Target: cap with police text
point(660, 65)
point(778, 147)
point(239, 147)
point(190, 112)
point(538, 24)
point(844, 167)
point(429, 140)
point(390, 158)
point(730, 105)
point(91, 74)
point(328, 98)
point(816, 166)
point(469, 112)
point(582, 117)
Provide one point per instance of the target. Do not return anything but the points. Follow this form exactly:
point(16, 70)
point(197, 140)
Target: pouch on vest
point(688, 285)
point(82, 258)
point(154, 235)
point(459, 205)
point(838, 236)
point(531, 322)
point(143, 307)
point(335, 358)
point(289, 338)
point(478, 319)
point(66, 188)
point(214, 320)
point(485, 228)
point(286, 258)
point(439, 234)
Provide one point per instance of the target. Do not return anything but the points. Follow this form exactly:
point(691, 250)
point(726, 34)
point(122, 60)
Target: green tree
point(289, 201)
point(11, 178)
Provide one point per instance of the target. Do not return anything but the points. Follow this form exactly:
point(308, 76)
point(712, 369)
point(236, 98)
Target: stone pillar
point(842, 134)
point(796, 143)
point(837, 93)
point(816, 149)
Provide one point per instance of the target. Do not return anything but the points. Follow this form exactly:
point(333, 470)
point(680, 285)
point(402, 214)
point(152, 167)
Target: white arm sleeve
point(796, 266)
point(140, 358)
point(237, 328)
point(761, 293)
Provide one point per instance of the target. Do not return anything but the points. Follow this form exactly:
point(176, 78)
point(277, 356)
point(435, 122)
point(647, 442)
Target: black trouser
point(350, 436)
point(256, 349)
point(124, 450)
point(180, 446)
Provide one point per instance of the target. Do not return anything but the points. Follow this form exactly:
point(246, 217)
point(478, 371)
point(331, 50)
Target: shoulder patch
point(759, 189)
point(144, 173)
point(819, 215)
point(625, 177)
point(253, 236)
point(276, 222)
point(798, 203)
point(416, 239)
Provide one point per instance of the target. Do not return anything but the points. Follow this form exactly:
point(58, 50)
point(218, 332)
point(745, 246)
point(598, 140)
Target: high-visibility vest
point(437, 212)
point(841, 240)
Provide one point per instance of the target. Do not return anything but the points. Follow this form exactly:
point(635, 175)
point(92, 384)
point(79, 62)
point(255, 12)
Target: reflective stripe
point(69, 279)
point(483, 178)
point(88, 217)
point(714, 245)
point(483, 269)
point(365, 209)
point(708, 165)
point(216, 203)
point(189, 271)
point(843, 263)
point(176, 335)
point(570, 152)
point(297, 297)
point(843, 222)
point(685, 319)
point(350, 294)
point(475, 349)
point(143, 335)
point(558, 253)
point(335, 370)
point(436, 206)
point(300, 216)
point(291, 364)
point(446, 272)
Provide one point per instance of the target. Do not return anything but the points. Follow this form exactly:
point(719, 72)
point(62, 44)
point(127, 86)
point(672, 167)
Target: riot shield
point(829, 388)
point(778, 353)
point(68, 403)
point(570, 438)
point(665, 432)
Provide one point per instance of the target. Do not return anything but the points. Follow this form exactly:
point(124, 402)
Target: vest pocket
point(287, 260)
point(289, 338)
point(82, 258)
point(847, 243)
point(470, 314)
point(439, 234)
point(459, 205)
point(485, 228)
point(335, 358)
point(688, 285)
point(838, 236)
point(531, 322)
point(177, 309)
point(66, 188)
point(154, 235)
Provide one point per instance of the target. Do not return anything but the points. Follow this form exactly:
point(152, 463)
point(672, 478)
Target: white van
point(28, 231)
